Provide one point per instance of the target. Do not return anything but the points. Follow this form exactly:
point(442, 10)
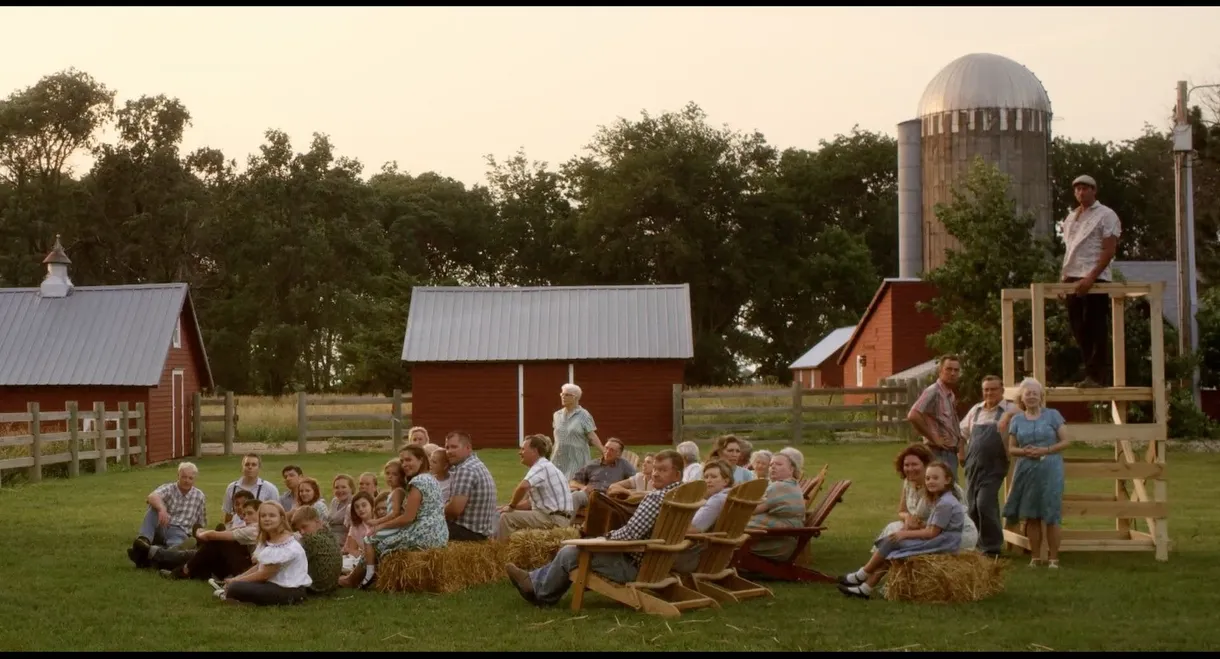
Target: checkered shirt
point(639, 527)
point(185, 510)
point(471, 478)
point(939, 405)
point(548, 491)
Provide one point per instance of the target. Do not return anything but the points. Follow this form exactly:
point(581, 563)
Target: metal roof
point(98, 335)
point(458, 324)
point(983, 80)
point(825, 348)
point(1150, 271)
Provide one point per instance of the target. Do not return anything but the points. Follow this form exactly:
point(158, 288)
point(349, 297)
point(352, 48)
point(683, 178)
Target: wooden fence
point(97, 439)
point(886, 411)
point(228, 418)
point(396, 420)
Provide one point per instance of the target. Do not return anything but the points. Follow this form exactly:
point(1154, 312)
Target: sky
point(439, 89)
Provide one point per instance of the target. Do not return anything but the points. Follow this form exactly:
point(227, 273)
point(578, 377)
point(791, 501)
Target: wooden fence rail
point(96, 440)
point(396, 421)
point(886, 410)
point(228, 418)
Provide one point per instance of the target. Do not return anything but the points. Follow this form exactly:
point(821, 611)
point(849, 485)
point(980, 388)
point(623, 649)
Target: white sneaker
point(219, 593)
point(216, 585)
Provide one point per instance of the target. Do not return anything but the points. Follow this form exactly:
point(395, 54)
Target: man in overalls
point(986, 460)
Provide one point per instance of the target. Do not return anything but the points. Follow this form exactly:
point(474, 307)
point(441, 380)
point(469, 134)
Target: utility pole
point(1184, 215)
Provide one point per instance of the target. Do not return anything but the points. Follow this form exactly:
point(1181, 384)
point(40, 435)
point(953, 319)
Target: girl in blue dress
point(941, 534)
point(1037, 438)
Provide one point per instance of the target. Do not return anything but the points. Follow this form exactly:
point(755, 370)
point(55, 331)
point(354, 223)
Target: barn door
point(178, 415)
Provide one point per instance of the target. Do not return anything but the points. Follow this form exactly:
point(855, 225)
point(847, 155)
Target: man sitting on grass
point(175, 510)
point(321, 551)
point(292, 475)
point(546, 585)
point(221, 554)
point(250, 482)
point(542, 499)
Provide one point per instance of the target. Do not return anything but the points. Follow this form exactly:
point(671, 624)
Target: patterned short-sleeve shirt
point(185, 509)
point(1083, 232)
point(939, 405)
point(470, 478)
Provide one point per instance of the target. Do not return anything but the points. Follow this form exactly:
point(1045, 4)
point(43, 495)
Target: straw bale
point(945, 578)
point(455, 567)
point(532, 548)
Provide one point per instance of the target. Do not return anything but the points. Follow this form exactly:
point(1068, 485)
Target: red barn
point(111, 344)
point(490, 361)
point(891, 336)
point(819, 368)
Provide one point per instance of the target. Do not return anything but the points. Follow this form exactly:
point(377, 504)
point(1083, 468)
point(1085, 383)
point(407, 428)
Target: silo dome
point(983, 80)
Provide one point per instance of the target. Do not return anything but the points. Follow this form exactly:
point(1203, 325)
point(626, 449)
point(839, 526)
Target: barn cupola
point(56, 283)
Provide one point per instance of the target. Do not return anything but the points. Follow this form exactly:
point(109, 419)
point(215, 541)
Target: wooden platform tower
point(1140, 486)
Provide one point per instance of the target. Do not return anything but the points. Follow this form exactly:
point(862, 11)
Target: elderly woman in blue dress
point(574, 432)
point(941, 534)
point(1037, 437)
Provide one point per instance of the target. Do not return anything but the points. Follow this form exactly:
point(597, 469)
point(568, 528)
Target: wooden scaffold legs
point(1140, 485)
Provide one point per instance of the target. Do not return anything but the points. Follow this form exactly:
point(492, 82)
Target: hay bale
point(455, 567)
point(945, 578)
point(532, 548)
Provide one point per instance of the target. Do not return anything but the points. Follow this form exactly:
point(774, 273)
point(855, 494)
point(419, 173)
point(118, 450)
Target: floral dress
point(427, 531)
point(918, 506)
point(572, 440)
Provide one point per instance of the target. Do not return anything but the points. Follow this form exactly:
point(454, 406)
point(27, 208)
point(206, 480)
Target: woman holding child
point(415, 518)
point(942, 534)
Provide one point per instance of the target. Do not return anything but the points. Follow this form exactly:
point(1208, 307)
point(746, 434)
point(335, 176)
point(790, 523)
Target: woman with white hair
point(1037, 438)
point(690, 455)
point(574, 432)
point(783, 504)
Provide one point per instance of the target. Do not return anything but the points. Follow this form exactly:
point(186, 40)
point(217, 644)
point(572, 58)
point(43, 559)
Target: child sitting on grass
point(280, 573)
point(239, 499)
point(221, 554)
point(941, 534)
point(321, 551)
point(358, 528)
point(309, 493)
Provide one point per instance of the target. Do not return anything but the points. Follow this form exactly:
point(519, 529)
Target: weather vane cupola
point(56, 283)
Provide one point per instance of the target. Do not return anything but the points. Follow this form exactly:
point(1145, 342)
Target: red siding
point(542, 383)
point(479, 398)
point(893, 337)
point(55, 399)
point(631, 400)
point(163, 415)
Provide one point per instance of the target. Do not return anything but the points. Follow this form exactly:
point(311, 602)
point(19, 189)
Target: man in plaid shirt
point(546, 585)
point(174, 511)
point(934, 415)
point(470, 512)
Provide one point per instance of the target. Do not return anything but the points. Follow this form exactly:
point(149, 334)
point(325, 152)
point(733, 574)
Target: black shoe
point(849, 580)
point(138, 553)
point(852, 591)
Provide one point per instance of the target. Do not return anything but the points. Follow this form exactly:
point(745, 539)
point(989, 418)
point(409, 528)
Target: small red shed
point(819, 368)
point(891, 335)
point(112, 344)
point(491, 361)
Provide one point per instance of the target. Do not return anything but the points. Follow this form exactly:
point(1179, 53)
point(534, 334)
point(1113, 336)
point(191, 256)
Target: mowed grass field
point(66, 584)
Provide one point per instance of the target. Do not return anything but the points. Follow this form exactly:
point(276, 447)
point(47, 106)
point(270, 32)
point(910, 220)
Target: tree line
point(301, 267)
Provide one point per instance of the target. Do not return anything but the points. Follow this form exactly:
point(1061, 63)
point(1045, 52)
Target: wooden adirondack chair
point(713, 576)
point(654, 590)
point(811, 486)
point(633, 458)
point(787, 569)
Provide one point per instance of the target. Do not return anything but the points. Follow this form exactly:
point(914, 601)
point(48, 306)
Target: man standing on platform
point(1090, 235)
point(934, 415)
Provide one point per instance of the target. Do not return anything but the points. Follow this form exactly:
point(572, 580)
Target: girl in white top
point(438, 464)
point(640, 482)
point(281, 572)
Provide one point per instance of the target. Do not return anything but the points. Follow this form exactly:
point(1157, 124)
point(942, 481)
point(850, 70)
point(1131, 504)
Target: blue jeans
point(947, 456)
point(553, 580)
point(168, 536)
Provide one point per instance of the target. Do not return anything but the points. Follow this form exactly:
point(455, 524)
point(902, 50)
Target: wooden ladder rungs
point(1087, 395)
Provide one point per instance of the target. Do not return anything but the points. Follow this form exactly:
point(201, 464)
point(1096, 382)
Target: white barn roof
point(825, 349)
point(97, 335)
point(460, 324)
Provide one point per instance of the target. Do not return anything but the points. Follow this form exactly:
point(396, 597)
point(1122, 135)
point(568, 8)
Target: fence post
point(912, 396)
point(396, 420)
point(302, 424)
point(35, 474)
point(73, 439)
point(879, 401)
point(798, 396)
point(124, 438)
point(197, 412)
point(99, 441)
point(677, 414)
point(142, 437)
point(230, 421)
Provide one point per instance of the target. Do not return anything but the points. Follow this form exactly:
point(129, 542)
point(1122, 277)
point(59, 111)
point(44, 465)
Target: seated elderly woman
point(783, 504)
point(719, 478)
point(690, 455)
point(760, 464)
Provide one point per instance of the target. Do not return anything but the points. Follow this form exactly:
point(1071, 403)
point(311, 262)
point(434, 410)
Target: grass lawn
point(66, 584)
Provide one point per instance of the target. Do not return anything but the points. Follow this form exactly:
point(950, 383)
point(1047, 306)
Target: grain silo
point(979, 105)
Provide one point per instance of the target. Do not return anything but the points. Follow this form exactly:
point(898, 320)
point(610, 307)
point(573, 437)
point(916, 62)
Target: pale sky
point(439, 88)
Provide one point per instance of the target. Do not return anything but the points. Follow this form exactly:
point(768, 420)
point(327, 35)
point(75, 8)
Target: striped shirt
point(471, 479)
point(185, 510)
point(939, 406)
point(639, 527)
point(548, 489)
